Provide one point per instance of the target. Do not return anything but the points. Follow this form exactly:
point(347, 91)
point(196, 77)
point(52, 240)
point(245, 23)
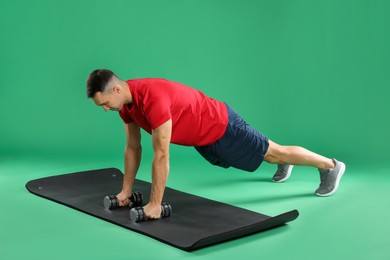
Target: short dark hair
point(97, 80)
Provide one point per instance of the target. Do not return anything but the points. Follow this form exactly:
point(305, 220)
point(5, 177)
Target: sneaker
point(283, 172)
point(330, 179)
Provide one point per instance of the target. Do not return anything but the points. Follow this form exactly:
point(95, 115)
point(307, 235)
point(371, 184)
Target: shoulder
point(147, 81)
point(153, 86)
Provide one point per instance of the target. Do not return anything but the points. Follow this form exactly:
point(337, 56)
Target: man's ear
point(116, 89)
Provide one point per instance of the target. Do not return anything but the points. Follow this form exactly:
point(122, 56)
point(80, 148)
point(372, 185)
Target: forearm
point(160, 171)
point(132, 158)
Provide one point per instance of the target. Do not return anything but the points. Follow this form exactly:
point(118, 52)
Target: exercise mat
point(195, 222)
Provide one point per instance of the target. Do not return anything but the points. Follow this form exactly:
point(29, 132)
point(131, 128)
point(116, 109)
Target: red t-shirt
point(197, 120)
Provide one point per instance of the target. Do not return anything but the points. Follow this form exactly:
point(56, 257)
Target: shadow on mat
point(262, 199)
point(204, 182)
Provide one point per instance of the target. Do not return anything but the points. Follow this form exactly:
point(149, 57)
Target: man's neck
point(127, 93)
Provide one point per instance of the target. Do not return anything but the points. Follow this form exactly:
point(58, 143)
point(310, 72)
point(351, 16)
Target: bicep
point(133, 135)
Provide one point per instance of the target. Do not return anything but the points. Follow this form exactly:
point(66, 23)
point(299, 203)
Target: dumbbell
point(111, 201)
point(138, 214)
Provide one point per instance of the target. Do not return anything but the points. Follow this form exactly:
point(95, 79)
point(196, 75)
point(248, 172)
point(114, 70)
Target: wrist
point(155, 202)
point(126, 190)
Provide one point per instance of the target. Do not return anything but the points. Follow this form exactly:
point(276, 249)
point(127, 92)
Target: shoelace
point(323, 178)
point(281, 170)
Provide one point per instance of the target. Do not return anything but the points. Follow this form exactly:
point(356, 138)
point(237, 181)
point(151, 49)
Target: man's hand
point(123, 198)
point(152, 211)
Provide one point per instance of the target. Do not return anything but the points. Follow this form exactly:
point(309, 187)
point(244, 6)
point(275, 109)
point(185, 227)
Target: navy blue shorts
point(241, 146)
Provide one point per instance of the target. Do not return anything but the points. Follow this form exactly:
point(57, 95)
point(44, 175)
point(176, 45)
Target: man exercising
point(174, 113)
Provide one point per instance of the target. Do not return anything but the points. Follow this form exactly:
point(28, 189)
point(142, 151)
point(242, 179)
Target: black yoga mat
point(195, 221)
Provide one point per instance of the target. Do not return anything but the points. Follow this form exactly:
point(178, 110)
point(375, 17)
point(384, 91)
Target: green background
point(309, 73)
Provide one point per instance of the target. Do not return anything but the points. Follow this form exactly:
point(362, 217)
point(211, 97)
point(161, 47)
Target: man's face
point(109, 101)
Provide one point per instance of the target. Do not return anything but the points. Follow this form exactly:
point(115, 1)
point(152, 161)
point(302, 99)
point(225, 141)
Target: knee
point(276, 153)
point(271, 159)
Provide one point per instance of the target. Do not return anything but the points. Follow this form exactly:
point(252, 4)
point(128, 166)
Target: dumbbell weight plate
point(137, 214)
point(110, 202)
point(135, 199)
point(166, 210)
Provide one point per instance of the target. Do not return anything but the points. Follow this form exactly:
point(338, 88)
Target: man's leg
point(296, 155)
point(330, 170)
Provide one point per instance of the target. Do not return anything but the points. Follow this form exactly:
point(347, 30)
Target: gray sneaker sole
point(342, 170)
point(287, 175)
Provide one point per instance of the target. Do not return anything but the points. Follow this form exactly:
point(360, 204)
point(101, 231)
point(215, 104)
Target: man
point(174, 113)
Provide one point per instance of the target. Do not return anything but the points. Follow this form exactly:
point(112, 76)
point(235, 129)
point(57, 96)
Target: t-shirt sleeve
point(125, 117)
point(157, 109)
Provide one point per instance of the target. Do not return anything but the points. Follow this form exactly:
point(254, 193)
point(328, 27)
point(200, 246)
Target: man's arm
point(132, 159)
point(161, 138)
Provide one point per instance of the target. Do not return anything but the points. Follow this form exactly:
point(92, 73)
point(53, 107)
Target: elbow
point(136, 149)
point(161, 162)
point(161, 156)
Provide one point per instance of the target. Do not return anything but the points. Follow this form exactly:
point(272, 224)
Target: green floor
point(303, 72)
point(352, 224)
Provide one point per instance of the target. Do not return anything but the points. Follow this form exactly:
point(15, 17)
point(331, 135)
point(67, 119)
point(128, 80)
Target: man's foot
point(283, 172)
point(330, 179)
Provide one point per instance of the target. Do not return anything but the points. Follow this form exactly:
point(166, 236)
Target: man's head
point(107, 90)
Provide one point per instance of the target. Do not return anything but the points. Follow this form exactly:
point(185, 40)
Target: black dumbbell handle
point(135, 199)
point(111, 201)
point(138, 214)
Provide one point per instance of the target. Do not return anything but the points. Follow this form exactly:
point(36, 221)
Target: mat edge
point(234, 234)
